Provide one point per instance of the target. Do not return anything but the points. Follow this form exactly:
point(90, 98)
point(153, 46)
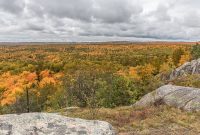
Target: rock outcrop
point(51, 124)
point(192, 67)
point(185, 98)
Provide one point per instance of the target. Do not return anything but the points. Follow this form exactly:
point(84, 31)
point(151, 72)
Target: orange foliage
point(134, 73)
point(14, 85)
point(45, 73)
point(141, 72)
point(48, 78)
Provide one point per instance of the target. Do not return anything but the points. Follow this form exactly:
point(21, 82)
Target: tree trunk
point(27, 101)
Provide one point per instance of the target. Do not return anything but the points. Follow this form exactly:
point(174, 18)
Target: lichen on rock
point(51, 124)
point(192, 67)
point(186, 98)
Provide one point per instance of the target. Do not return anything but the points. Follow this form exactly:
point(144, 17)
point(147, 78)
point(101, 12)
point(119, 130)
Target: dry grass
point(153, 120)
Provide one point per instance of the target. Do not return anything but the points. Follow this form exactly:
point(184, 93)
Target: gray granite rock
point(51, 124)
point(192, 67)
point(185, 98)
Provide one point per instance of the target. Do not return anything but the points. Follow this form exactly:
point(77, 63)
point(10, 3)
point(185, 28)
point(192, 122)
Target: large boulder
point(51, 124)
point(186, 98)
point(192, 67)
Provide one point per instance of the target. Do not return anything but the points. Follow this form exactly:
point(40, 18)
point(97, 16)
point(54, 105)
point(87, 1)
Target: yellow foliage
point(184, 58)
point(167, 66)
point(47, 80)
point(141, 72)
point(45, 73)
point(148, 69)
point(121, 72)
point(133, 73)
point(13, 85)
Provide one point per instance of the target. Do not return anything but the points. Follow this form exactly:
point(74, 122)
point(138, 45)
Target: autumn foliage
point(51, 73)
point(13, 86)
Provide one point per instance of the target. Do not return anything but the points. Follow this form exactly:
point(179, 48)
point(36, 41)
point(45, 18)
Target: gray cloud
point(12, 6)
point(115, 11)
point(92, 20)
point(75, 9)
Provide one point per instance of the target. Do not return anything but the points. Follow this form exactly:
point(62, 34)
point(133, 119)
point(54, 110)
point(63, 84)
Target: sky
point(99, 20)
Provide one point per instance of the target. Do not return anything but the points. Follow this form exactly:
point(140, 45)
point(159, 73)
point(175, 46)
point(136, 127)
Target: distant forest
point(49, 77)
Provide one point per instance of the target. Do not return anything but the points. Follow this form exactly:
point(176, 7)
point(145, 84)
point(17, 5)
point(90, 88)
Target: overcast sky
point(99, 20)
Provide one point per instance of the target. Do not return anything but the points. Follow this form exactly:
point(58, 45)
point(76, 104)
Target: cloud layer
point(99, 20)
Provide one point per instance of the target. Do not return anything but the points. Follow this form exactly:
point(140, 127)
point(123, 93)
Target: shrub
point(195, 51)
point(118, 91)
point(176, 56)
point(82, 89)
point(105, 90)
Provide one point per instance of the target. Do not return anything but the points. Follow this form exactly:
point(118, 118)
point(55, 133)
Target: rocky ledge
point(51, 124)
point(186, 98)
point(192, 67)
